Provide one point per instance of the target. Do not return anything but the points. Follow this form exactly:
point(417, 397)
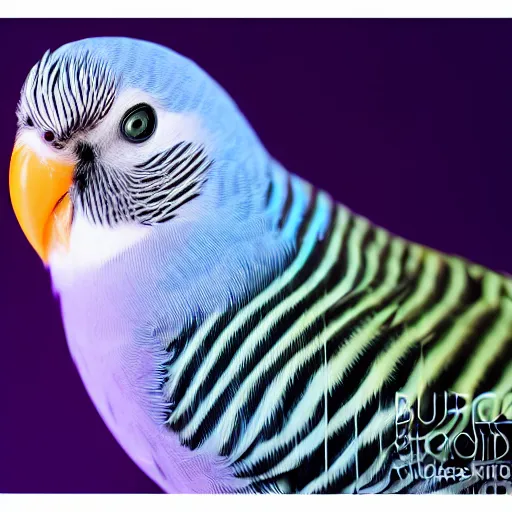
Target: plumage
point(241, 331)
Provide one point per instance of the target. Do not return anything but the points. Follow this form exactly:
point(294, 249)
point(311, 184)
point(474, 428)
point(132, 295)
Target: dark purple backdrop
point(406, 121)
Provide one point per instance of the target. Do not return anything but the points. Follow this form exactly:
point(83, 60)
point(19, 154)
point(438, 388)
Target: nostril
point(49, 136)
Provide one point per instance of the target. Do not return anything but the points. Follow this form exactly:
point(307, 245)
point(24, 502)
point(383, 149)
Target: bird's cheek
point(39, 191)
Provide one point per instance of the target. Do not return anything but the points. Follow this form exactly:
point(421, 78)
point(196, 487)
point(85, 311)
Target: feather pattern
point(64, 95)
point(152, 192)
point(299, 384)
point(262, 344)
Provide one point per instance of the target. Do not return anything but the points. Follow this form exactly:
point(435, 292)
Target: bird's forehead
point(67, 93)
point(75, 87)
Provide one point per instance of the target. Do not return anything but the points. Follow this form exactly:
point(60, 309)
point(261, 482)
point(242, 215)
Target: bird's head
point(118, 136)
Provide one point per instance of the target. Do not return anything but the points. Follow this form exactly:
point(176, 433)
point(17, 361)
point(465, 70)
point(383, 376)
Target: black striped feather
point(151, 193)
point(67, 94)
point(297, 385)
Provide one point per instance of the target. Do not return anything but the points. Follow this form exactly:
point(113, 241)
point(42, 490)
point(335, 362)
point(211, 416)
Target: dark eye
point(49, 136)
point(139, 123)
point(29, 121)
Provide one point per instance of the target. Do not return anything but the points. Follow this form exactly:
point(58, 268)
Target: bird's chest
point(120, 377)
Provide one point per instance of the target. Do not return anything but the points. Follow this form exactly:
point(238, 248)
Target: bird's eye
point(49, 136)
point(139, 123)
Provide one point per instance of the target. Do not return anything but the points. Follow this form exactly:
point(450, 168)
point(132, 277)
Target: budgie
point(238, 330)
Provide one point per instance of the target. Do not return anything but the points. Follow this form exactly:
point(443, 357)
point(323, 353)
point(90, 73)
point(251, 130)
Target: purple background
point(406, 121)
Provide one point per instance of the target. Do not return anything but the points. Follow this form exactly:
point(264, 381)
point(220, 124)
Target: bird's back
point(356, 369)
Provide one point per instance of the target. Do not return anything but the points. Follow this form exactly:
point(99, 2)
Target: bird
point(237, 329)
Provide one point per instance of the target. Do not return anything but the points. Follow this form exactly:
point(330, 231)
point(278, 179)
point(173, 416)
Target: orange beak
point(40, 198)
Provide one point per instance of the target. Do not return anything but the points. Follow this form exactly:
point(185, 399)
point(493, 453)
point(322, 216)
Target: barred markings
point(263, 330)
point(388, 298)
point(370, 295)
point(308, 403)
point(312, 440)
point(242, 316)
point(274, 394)
point(67, 94)
point(336, 366)
point(378, 423)
point(151, 193)
point(287, 341)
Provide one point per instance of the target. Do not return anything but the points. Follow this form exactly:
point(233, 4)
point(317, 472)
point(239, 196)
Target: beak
point(40, 198)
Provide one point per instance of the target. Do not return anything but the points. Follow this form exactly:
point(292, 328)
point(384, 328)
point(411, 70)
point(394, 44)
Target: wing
point(321, 379)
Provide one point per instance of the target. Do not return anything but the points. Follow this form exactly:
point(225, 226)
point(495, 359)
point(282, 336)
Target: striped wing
point(298, 384)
